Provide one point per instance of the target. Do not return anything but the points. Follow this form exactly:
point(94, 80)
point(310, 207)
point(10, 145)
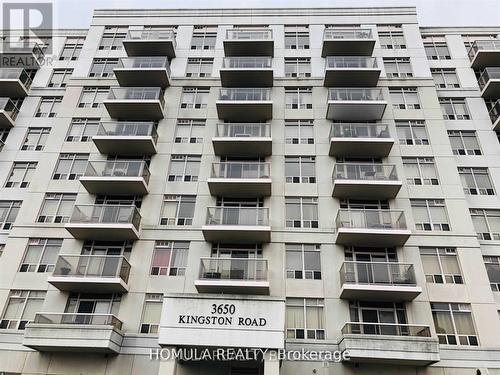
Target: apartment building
point(321, 179)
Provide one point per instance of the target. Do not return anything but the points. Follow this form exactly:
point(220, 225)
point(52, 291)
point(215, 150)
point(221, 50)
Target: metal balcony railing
point(167, 35)
point(258, 216)
point(16, 73)
point(241, 269)
point(249, 34)
point(370, 219)
point(353, 62)
point(105, 266)
point(136, 93)
point(487, 75)
point(9, 107)
point(377, 273)
point(118, 168)
point(144, 63)
point(245, 94)
point(365, 172)
point(495, 112)
point(257, 62)
point(355, 94)
point(78, 318)
point(355, 130)
point(481, 45)
point(237, 130)
point(128, 129)
point(381, 329)
point(106, 214)
point(332, 34)
point(242, 170)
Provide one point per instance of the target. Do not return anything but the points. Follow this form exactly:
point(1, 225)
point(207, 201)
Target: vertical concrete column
point(271, 364)
point(168, 366)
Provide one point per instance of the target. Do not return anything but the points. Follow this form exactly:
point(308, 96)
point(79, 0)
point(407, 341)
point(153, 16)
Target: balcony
point(116, 177)
point(484, 53)
point(365, 181)
point(150, 43)
point(247, 71)
point(363, 140)
point(389, 343)
point(495, 115)
point(233, 276)
point(8, 113)
point(91, 274)
point(245, 104)
point(375, 228)
point(14, 82)
point(489, 83)
point(73, 332)
point(240, 179)
point(347, 42)
point(378, 281)
point(356, 104)
point(243, 139)
point(26, 55)
point(135, 103)
point(104, 222)
point(249, 42)
point(351, 71)
point(1, 144)
point(143, 71)
point(126, 138)
point(248, 225)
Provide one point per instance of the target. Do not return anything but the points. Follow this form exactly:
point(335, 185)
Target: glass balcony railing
point(128, 129)
point(377, 273)
point(144, 63)
point(483, 45)
point(352, 62)
point(146, 35)
point(355, 94)
point(9, 107)
point(249, 34)
point(487, 75)
point(106, 214)
point(118, 168)
point(78, 318)
point(381, 329)
point(36, 50)
point(136, 93)
point(1, 144)
point(242, 170)
point(359, 130)
point(332, 34)
point(237, 130)
point(16, 73)
point(241, 269)
point(105, 266)
point(365, 172)
point(257, 62)
point(258, 216)
point(245, 94)
point(495, 112)
point(370, 219)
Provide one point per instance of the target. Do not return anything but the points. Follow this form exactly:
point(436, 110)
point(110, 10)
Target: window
point(21, 308)
point(103, 68)
point(445, 78)
point(476, 181)
point(300, 169)
point(204, 37)
point(60, 77)
point(420, 171)
point(436, 48)
point(391, 36)
point(464, 142)
point(113, 37)
point(412, 132)
point(298, 97)
point(441, 265)
point(170, 258)
point(82, 129)
point(301, 212)
point(56, 208)
point(4, 133)
point(299, 132)
point(48, 106)
point(189, 131)
point(486, 223)
point(303, 261)
point(404, 97)
point(72, 48)
point(178, 210)
point(2, 247)
point(454, 324)
point(379, 318)
point(21, 174)
point(304, 318)
point(151, 313)
point(296, 37)
point(430, 214)
point(92, 97)
point(492, 264)
point(194, 97)
point(398, 67)
point(298, 67)
point(41, 255)
point(454, 109)
point(70, 166)
point(199, 68)
point(8, 213)
point(184, 168)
